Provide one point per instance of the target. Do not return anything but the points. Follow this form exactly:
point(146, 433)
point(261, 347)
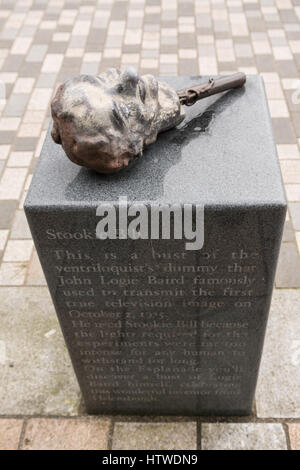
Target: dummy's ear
point(55, 134)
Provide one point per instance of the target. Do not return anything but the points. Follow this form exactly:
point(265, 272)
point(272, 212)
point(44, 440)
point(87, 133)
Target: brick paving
point(42, 43)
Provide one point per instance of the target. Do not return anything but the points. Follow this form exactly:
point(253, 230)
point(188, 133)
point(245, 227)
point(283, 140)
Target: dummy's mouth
point(171, 111)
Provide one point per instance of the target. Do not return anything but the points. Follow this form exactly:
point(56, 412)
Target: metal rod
point(189, 96)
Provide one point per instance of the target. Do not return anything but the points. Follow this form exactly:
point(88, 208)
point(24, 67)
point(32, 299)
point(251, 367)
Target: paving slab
point(243, 436)
point(66, 434)
point(10, 432)
point(35, 369)
point(294, 434)
point(7, 209)
point(277, 394)
point(155, 436)
point(288, 269)
point(40, 378)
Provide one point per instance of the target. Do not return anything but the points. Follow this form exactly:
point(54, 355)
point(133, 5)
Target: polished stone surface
point(152, 327)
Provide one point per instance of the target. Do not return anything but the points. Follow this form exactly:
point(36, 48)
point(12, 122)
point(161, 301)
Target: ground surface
point(41, 43)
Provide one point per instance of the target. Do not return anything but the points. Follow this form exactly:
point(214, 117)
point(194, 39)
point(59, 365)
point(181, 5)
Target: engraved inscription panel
point(152, 327)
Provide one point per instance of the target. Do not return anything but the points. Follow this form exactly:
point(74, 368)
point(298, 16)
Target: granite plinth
point(152, 327)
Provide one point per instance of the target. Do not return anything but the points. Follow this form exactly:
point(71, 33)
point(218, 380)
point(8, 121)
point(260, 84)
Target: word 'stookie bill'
point(104, 122)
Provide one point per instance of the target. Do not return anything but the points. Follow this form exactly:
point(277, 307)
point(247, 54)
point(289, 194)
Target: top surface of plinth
point(222, 154)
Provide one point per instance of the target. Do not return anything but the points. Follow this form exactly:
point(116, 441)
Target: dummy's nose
point(129, 79)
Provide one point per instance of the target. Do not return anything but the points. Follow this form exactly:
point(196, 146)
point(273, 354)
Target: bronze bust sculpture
point(104, 122)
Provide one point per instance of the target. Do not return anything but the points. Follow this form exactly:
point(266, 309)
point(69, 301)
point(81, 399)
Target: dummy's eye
point(116, 116)
point(142, 90)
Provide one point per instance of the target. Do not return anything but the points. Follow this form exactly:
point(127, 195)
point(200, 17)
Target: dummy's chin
point(171, 112)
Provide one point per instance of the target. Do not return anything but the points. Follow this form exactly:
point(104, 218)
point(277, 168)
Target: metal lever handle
point(189, 96)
